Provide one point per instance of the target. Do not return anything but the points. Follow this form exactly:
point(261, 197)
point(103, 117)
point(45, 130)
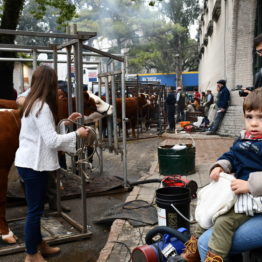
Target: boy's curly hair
point(253, 101)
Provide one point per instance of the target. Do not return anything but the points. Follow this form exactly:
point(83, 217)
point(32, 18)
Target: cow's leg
point(133, 127)
point(4, 230)
point(3, 192)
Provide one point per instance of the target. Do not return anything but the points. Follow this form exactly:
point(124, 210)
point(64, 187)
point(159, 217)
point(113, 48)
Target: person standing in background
point(170, 106)
point(209, 102)
point(222, 105)
point(181, 104)
point(197, 95)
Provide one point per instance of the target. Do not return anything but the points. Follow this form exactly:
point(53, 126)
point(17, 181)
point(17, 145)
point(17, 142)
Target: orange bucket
point(184, 123)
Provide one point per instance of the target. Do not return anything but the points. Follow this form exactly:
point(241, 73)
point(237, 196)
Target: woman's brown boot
point(211, 257)
point(191, 254)
point(34, 258)
point(46, 250)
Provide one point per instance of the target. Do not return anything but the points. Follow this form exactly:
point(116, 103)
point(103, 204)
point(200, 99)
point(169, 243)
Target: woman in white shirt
point(37, 154)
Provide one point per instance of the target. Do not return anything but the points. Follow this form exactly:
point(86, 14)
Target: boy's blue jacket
point(245, 157)
point(223, 99)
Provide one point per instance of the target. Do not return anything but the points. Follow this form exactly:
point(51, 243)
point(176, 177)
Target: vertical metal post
point(116, 147)
point(55, 57)
point(100, 122)
point(34, 59)
point(109, 118)
point(80, 103)
point(69, 82)
point(80, 77)
point(101, 168)
point(124, 122)
point(70, 93)
point(80, 108)
point(22, 86)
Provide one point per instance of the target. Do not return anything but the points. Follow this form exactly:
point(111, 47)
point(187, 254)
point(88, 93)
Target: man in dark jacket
point(181, 104)
point(222, 105)
point(170, 107)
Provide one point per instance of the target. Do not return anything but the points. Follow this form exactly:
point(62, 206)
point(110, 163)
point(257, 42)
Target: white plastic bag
point(179, 147)
point(214, 199)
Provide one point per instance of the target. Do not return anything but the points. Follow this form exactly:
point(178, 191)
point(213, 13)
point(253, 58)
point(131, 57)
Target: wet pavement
point(140, 156)
point(142, 164)
point(123, 237)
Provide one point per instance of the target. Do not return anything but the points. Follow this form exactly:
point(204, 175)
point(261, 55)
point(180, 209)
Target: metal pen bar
point(124, 124)
point(110, 73)
point(55, 57)
point(40, 49)
point(76, 35)
point(69, 43)
point(69, 81)
point(31, 47)
point(34, 59)
point(109, 118)
point(113, 88)
point(81, 110)
point(41, 60)
point(100, 127)
point(106, 54)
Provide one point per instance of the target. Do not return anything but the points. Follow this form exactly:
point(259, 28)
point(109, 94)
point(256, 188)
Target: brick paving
point(123, 238)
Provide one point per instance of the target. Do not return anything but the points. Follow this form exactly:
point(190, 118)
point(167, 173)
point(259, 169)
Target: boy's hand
point(240, 186)
point(214, 175)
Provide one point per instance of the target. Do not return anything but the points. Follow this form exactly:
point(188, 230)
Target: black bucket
point(167, 215)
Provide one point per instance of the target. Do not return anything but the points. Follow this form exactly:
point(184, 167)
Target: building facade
point(226, 32)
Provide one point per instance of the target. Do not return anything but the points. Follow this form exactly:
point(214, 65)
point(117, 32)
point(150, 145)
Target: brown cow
point(9, 104)
point(10, 124)
point(135, 106)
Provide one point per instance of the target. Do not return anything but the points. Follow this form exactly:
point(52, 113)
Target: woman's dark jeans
point(35, 192)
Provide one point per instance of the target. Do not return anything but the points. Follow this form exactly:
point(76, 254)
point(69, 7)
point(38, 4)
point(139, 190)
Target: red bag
point(189, 128)
point(178, 181)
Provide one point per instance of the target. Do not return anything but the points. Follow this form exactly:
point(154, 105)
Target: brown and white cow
point(135, 106)
point(10, 124)
point(8, 104)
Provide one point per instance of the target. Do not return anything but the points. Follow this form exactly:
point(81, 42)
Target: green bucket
point(176, 161)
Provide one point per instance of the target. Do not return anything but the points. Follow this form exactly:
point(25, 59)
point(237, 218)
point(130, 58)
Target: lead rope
point(90, 142)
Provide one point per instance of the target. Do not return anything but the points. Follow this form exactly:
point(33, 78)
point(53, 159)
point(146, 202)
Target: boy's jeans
point(248, 236)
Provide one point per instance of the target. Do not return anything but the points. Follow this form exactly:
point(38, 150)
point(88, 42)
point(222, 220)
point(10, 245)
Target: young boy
point(244, 160)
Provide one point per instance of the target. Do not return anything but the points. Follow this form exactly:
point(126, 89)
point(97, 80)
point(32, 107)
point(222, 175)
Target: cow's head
point(143, 100)
point(99, 108)
point(94, 107)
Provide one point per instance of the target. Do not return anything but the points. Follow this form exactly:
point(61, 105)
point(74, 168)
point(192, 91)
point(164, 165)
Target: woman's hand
point(214, 175)
point(73, 117)
point(82, 132)
point(240, 186)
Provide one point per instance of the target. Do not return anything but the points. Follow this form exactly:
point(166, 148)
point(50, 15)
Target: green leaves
point(64, 11)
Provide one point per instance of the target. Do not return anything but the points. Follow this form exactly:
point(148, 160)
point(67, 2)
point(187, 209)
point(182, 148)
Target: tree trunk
point(11, 13)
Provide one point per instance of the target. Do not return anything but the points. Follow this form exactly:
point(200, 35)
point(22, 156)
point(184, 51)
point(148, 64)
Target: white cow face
point(102, 109)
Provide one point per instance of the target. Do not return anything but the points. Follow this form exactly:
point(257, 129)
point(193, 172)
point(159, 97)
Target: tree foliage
point(151, 37)
point(10, 14)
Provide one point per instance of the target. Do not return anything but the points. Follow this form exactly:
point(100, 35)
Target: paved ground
point(208, 148)
point(142, 164)
point(140, 154)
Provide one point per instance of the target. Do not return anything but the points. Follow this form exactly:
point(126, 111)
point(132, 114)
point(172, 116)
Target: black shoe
point(170, 130)
point(64, 208)
point(210, 133)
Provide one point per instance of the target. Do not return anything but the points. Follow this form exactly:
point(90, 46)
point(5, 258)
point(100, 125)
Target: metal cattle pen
point(155, 115)
point(75, 40)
